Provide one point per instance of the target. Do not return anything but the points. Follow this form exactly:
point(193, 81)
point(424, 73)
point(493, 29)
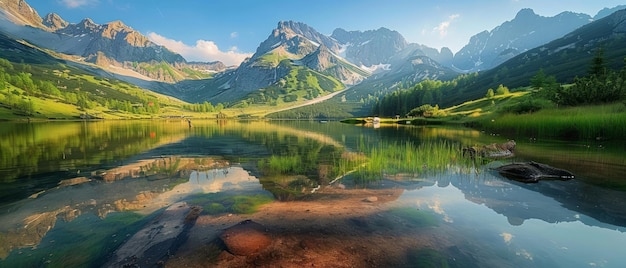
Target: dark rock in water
point(533, 172)
point(154, 243)
point(246, 238)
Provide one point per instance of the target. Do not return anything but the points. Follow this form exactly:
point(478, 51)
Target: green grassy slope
point(300, 84)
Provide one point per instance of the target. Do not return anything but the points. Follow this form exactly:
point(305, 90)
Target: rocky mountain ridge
point(527, 30)
point(20, 13)
point(325, 61)
point(108, 45)
point(379, 57)
point(54, 22)
point(564, 58)
point(369, 48)
point(289, 46)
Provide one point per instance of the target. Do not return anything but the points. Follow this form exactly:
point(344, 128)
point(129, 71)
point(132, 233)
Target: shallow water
point(93, 185)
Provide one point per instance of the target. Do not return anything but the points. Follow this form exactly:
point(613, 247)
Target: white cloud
point(202, 51)
point(442, 28)
point(77, 3)
point(234, 35)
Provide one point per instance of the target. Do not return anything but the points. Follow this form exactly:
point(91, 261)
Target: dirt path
point(313, 101)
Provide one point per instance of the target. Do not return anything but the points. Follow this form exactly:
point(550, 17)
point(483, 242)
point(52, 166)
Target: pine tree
point(598, 65)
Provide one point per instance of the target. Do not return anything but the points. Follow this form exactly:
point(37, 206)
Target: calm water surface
point(91, 185)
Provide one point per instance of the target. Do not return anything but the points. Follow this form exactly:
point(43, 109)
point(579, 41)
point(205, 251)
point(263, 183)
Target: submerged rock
point(493, 150)
point(533, 172)
point(246, 238)
point(159, 238)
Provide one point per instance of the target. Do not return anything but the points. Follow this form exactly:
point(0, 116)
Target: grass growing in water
point(407, 158)
point(281, 164)
point(584, 122)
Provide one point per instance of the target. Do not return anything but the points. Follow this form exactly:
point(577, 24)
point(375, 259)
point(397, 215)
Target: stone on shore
point(245, 238)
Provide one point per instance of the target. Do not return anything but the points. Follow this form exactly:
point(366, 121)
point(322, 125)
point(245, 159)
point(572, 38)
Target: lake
point(326, 194)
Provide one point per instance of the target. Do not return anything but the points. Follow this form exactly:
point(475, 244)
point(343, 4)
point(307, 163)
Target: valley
point(142, 133)
point(295, 72)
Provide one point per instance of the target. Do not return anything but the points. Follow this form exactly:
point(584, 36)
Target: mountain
point(14, 51)
point(297, 38)
point(369, 48)
point(565, 58)
point(40, 85)
point(295, 62)
point(296, 59)
point(54, 22)
point(20, 13)
point(325, 61)
point(608, 11)
point(526, 31)
point(293, 50)
point(411, 70)
point(113, 40)
point(113, 46)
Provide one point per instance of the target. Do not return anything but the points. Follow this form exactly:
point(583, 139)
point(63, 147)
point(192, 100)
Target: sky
point(231, 30)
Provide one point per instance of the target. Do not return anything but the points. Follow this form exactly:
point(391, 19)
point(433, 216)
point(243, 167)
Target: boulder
point(530, 172)
point(245, 238)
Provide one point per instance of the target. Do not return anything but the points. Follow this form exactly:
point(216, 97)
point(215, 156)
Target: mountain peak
point(87, 23)
point(304, 30)
point(525, 13)
point(294, 25)
point(608, 11)
point(112, 29)
point(296, 38)
point(19, 12)
point(118, 24)
point(526, 31)
point(371, 47)
point(54, 21)
point(320, 59)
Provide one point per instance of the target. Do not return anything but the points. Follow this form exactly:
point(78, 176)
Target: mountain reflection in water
point(129, 172)
point(536, 228)
point(29, 220)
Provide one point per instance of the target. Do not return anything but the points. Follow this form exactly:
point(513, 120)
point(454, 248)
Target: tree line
point(18, 85)
point(205, 107)
point(600, 85)
point(426, 92)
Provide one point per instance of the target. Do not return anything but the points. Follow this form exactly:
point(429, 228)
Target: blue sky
point(230, 30)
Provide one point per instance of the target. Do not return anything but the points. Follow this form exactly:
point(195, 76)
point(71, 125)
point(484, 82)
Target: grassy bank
point(522, 114)
point(584, 122)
